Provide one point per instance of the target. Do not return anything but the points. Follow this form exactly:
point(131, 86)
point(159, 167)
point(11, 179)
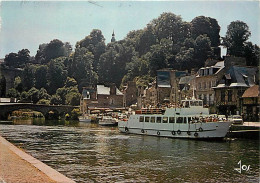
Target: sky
point(27, 24)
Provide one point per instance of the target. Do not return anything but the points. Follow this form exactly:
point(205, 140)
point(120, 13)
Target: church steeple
point(113, 37)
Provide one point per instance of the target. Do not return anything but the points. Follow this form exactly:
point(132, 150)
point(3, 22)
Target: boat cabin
point(191, 103)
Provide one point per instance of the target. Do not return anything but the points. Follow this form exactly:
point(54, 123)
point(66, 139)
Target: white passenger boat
point(108, 121)
point(191, 120)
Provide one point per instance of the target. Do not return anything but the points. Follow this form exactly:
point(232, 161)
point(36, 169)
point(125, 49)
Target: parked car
point(222, 117)
point(237, 119)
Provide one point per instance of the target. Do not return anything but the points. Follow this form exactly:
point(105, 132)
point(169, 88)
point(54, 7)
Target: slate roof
point(103, 90)
point(251, 92)
point(238, 76)
point(186, 79)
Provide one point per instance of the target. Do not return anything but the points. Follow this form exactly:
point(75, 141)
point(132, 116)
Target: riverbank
point(249, 130)
point(18, 166)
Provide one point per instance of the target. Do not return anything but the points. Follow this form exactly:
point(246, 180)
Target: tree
point(70, 82)
point(94, 43)
point(17, 59)
point(44, 101)
point(23, 57)
point(52, 50)
point(28, 78)
point(157, 60)
point(62, 92)
point(43, 94)
point(2, 86)
point(202, 25)
point(34, 95)
point(73, 99)
point(56, 75)
point(41, 77)
point(13, 93)
point(55, 100)
point(185, 59)
point(24, 97)
point(18, 84)
point(236, 36)
point(202, 50)
point(252, 54)
point(11, 60)
point(168, 26)
point(82, 67)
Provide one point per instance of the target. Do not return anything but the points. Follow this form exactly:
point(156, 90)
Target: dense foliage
point(56, 75)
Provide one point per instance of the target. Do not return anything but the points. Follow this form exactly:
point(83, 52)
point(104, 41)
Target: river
point(90, 153)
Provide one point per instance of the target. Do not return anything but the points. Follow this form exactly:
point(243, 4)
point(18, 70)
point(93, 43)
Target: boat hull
point(211, 130)
point(85, 120)
point(108, 124)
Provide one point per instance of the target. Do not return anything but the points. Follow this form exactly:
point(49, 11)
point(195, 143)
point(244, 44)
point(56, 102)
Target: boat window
point(196, 103)
point(147, 119)
point(185, 104)
point(165, 120)
point(152, 120)
point(200, 103)
point(179, 120)
point(141, 119)
point(189, 119)
point(191, 103)
point(171, 120)
point(158, 119)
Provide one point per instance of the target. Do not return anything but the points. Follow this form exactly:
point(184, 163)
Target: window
point(199, 86)
point(179, 120)
point(209, 84)
point(165, 120)
point(171, 120)
point(213, 83)
point(141, 119)
point(189, 119)
point(230, 95)
point(152, 120)
point(158, 119)
point(222, 96)
point(147, 119)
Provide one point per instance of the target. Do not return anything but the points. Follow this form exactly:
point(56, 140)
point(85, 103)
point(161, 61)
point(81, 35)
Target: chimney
point(113, 89)
point(192, 72)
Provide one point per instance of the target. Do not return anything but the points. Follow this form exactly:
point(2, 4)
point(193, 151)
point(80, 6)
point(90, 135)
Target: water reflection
point(90, 153)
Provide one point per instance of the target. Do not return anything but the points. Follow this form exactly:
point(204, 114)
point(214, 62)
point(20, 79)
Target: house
point(206, 78)
point(231, 87)
point(251, 104)
point(130, 94)
point(185, 86)
point(163, 90)
point(167, 85)
point(101, 96)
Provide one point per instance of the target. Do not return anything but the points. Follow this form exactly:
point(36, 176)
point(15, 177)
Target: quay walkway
point(16, 166)
point(249, 130)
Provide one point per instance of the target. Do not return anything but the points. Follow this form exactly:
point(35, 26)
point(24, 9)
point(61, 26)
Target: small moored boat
point(108, 121)
point(86, 119)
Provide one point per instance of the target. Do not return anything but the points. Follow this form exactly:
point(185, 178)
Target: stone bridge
point(8, 108)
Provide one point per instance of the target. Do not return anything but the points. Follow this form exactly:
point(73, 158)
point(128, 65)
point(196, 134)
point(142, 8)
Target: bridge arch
point(8, 108)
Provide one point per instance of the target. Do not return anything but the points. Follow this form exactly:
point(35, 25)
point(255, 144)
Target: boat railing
point(149, 111)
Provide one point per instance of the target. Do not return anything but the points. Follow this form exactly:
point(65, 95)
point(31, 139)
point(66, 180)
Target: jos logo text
point(242, 167)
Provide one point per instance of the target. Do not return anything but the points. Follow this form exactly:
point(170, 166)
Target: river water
point(90, 153)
